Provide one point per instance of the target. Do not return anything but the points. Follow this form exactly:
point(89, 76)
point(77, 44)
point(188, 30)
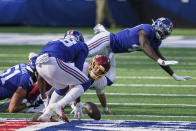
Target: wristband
point(105, 108)
point(27, 104)
point(160, 61)
point(174, 75)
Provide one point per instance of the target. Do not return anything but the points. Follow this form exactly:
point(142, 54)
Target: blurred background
point(82, 13)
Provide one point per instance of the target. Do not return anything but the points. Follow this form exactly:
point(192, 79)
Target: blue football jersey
point(68, 50)
point(14, 77)
point(128, 40)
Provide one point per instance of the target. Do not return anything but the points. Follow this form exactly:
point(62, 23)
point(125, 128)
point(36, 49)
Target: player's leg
point(59, 74)
point(99, 44)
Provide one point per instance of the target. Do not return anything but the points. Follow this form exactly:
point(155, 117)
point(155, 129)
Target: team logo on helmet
point(162, 28)
point(99, 66)
point(74, 34)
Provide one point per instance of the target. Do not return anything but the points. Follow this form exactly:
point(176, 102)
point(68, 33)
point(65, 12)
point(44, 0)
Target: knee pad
point(62, 92)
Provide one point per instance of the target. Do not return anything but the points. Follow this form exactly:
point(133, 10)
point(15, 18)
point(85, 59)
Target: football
point(92, 110)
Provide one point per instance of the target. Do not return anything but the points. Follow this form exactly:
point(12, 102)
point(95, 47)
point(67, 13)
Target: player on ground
point(54, 64)
point(16, 82)
point(144, 37)
point(96, 71)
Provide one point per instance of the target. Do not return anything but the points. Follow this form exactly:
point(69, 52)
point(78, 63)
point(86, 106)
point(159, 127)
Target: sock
point(74, 93)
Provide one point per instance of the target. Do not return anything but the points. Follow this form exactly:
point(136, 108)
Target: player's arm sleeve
point(145, 45)
point(26, 83)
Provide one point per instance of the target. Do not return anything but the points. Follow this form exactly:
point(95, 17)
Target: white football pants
point(60, 74)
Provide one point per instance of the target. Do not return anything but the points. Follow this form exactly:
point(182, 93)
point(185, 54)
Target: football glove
point(166, 62)
point(77, 110)
point(181, 78)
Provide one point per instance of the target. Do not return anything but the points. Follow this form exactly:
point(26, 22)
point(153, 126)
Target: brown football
point(92, 110)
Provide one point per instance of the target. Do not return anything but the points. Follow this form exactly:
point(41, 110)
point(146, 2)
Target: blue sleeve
point(26, 83)
point(80, 61)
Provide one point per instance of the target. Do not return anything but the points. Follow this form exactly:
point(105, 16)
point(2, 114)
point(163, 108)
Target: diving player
point(16, 82)
point(54, 65)
point(144, 37)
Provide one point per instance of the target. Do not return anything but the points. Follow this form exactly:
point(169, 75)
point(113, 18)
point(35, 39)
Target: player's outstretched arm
point(149, 51)
point(170, 71)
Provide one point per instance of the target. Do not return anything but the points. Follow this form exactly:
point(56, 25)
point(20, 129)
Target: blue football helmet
point(162, 28)
point(75, 35)
point(31, 66)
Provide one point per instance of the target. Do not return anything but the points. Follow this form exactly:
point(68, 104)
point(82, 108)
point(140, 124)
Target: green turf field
point(85, 30)
point(142, 91)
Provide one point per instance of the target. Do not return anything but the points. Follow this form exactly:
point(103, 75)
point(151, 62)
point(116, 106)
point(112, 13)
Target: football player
point(16, 82)
point(97, 71)
point(54, 65)
point(144, 37)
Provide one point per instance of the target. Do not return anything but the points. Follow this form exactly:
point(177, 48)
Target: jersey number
point(9, 74)
point(68, 42)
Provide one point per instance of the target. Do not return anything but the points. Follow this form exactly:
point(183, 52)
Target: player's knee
point(62, 92)
point(86, 85)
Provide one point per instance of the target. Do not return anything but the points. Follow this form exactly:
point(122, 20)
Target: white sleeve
point(99, 85)
point(112, 72)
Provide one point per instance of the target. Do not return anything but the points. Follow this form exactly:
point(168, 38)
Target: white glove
point(181, 78)
point(166, 62)
point(77, 110)
point(25, 101)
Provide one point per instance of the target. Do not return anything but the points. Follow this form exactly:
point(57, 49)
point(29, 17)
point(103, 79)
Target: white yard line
point(149, 63)
point(145, 57)
point(153, 85)
point(150, 104)
point(143, 77)
point(155, 70)
point(144, 94)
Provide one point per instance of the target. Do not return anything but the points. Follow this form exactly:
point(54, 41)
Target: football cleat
point(60, 112)
point(99, 28)
point(46, 118)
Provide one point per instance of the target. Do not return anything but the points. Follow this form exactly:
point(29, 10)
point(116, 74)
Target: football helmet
point(99, 66)
point(31, 66)
point(162, 27)
point(74, 34)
